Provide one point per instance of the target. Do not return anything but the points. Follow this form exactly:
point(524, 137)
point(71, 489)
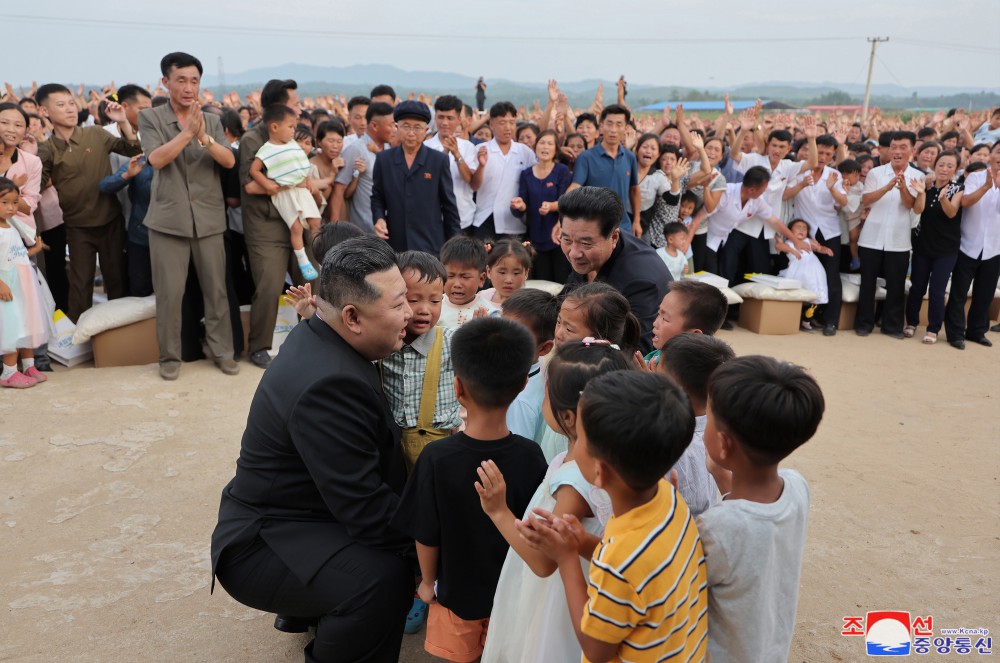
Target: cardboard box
point(848, 311)
point(995, 309)
point(923, 310)
point(61, 347)
point(766, 316)
point(131, 345)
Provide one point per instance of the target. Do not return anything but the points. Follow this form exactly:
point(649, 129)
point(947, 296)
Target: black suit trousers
point(982, 275)
point(361, 597)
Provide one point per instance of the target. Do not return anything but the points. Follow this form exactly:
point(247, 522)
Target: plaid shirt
point(403, 383)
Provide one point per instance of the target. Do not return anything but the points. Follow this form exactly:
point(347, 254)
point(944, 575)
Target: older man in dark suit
point(590, 236)
point(303, 527)
point(413, 197)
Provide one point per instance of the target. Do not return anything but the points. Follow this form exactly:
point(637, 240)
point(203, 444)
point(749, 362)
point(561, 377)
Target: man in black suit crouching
point(304, 526)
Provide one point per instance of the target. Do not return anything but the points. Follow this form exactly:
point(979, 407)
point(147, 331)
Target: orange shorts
point(452, 638)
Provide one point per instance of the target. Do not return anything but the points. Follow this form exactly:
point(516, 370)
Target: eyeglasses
point(411, 128)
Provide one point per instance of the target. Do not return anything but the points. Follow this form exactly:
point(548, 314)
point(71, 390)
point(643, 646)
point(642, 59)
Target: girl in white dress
point(805, 268)
point(530, 621)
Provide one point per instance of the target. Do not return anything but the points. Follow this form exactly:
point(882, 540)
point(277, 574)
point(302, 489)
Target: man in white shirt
point(978, 257)
point(357, 108)
point(741, 204)
point(818, 194)
point(495, 181)
point(461, 154)
point(752, 242)
point(895, 194)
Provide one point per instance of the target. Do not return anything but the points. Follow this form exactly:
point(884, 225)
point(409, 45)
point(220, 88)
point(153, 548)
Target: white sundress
point(530, 621)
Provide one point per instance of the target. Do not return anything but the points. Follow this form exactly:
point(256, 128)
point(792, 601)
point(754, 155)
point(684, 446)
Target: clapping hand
point(518, 204)
point(552, 536)
point(482, 155)
point(301, 297)
point(546, 208)
point(115, 112)
point(831, 181)
point(135, 165)
point(918, 185)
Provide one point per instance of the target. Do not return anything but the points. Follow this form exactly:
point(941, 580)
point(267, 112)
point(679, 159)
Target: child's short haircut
point(277, 113)
point(535, 308)
point(674, 228)
point(848, 166)
point(464, 251)
point(573, 366)
point(705, 306)
point(492, 357)
point(502, 248)
point(690, 359)
point(332, 234)
point(689, 197)
point(427, 267)
point(642, 440)
point(770, 407)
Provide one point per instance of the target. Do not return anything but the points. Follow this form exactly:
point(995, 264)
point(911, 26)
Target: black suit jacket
point(637, 272)
point(417, 203)
point(320, 465)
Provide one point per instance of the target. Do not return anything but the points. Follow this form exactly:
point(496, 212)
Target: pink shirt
point(30, 165)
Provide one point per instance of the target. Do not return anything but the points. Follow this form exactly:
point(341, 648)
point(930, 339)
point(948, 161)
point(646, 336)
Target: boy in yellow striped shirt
point(646, 597)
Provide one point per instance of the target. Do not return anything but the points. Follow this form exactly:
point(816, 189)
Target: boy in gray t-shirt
point(759, 411)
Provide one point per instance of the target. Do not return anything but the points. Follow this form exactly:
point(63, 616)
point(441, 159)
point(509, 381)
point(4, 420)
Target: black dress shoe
point(294, 624)
point(982, 340)
point(862, 332)
point(896, 335)
point(260, 359)
point(727, 325)
point(958, 345)
point(995, 328)
point(830, 330)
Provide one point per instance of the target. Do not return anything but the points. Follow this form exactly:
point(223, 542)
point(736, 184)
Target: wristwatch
point(209, 141)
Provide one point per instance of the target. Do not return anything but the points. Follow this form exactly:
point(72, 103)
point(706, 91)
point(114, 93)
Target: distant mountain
point(368, 75)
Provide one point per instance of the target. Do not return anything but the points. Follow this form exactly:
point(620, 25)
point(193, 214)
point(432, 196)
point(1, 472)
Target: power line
point(365, 36)
point(970, 48)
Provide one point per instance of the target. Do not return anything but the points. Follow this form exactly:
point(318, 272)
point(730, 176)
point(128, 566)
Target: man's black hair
point(342, 279)
point(160, 101)
point(770, 407)
point(756, 176)
point(26, 100)
point(492, 357)
point(885, 138)
point(537, 309)
point(502, 108)
point(616, 109)
point(465, 251)
point(826, 140)
point(276, 91)
point(908, 136)
point(949, 135)
point(640, 442)
point(926, 132)
point(331, 234)
point(448, 102)
point(780, 135)
point(848, 166)
point(130, 92)
point(377, 109)
point(179, 60)
point(42, 93)
point(704, 306)
point(593, 203)
point(277, 113)
point(690, 359)
point(381, 91)
point(585, 117)
point(427, 267)
point(359, 100)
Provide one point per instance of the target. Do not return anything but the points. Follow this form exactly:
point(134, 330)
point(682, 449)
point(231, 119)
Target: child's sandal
point(930, 338)
point(18, 381)
point(909, 330)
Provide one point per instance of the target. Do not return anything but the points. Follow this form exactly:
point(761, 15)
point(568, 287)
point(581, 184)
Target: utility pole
point(222, 79)
point(868, 86)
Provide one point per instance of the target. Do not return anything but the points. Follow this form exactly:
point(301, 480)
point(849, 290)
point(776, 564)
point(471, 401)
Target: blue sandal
point(416, 617)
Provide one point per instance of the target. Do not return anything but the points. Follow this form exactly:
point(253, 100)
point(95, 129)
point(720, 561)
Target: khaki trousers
point(170, 256)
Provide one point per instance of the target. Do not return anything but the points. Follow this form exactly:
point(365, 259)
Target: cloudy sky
point(661, 42)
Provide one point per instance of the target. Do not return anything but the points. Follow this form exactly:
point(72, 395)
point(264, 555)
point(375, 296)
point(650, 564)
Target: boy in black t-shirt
point(461, 552)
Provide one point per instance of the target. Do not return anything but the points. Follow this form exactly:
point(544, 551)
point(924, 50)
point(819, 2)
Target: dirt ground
point(111, 479)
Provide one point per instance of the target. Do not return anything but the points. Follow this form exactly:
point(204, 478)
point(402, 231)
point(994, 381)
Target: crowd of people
point(436, 439)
